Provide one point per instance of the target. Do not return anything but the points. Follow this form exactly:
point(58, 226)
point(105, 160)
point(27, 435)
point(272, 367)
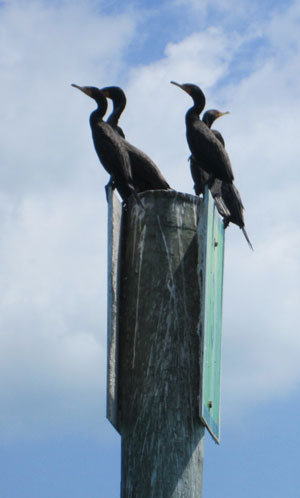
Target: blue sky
point(245, 55)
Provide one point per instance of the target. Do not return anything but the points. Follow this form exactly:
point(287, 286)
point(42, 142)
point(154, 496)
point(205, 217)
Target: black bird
point(208, 118)
point(146, 175)
point(226, 194)
point(109, 146)
point(203, 144)
point(199, 175)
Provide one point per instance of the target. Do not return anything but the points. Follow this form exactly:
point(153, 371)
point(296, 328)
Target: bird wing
point(216, 191)
point(233, 201)
point(218, 135)
point(144, 170)
point(237, 196)
point(208, 150)
point(112, 151)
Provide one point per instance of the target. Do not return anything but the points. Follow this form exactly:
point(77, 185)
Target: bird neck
point(193, 113)
point(199, 104)
point(97, 114)
point(114, 117)
point(208, 120)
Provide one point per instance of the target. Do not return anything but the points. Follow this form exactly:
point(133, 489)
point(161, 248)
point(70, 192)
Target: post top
point(172, 194)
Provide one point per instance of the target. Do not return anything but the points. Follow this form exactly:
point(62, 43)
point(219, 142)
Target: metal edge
point(203, 225)
point(113, 256)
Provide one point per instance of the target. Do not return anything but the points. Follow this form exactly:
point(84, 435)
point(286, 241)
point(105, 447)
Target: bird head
point(91, 91)
point(210, 116)
point(97, 95)
point(187, 87)
point(194, 91)
point(114, 93)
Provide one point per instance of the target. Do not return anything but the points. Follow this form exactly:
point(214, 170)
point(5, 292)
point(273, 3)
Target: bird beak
point(177, 84)
point(183, 87)
point(84, 89)
point(222, 114)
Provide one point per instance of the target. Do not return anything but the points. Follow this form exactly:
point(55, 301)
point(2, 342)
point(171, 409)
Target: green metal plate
point(211, 316)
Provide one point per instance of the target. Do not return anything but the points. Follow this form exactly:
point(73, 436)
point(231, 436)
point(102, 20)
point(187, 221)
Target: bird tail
point(222, 208)
point(247, 238)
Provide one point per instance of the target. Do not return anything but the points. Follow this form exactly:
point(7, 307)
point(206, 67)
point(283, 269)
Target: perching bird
point(226, 193)
point(109, 146)
point(146, 175)
point(199, 175)
point(203, 144)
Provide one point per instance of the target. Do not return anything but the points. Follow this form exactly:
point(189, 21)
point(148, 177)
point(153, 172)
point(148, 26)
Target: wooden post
point(159, 348)
point(165, 280)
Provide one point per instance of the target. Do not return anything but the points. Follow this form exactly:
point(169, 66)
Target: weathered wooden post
point(158, 278)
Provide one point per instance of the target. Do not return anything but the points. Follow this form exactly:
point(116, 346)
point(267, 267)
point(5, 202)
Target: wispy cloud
point(53, 213)
point(53, 208)
point(261, 289)
point(46, 47)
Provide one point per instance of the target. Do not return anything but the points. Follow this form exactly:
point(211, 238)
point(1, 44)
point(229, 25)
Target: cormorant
point(203, 144)
point(199, 175)
point(208, 118)
point(109, 146)
point(146, 175)
point(226, 193)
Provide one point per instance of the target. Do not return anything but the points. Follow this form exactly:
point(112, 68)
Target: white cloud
point(53, 215)
point(261, 341)
point(45, 48)
point(233, 15)
point(53, 209)
point(52, 300)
